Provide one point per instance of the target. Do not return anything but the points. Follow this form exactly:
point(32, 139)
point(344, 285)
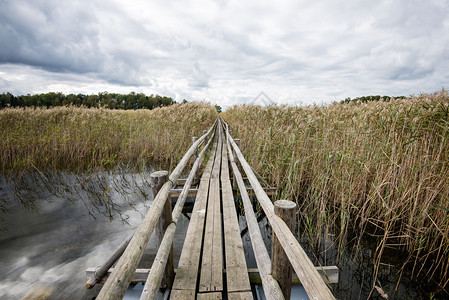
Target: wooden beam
point(236, 272)
point(101, 271)
point(330, 274)
point(177, 192)
point(211, 276)
point(192, 192)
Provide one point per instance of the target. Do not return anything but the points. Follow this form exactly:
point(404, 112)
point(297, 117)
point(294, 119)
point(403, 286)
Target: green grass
point(378, 168)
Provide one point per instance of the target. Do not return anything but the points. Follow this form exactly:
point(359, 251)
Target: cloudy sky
point(227, 52)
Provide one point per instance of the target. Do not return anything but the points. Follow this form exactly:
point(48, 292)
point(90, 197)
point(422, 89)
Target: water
point(55, 226)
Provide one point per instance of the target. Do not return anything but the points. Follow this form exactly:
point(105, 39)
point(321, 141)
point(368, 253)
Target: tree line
point(366, 99)
point(104, 99)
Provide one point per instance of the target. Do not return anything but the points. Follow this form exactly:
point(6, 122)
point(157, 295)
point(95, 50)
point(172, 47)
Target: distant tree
point(103, 99)
point(365, 99)
point(218, 108)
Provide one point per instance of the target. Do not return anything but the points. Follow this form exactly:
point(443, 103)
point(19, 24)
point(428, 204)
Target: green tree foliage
point(218, 108)
point(366, 99)
point(104, 99)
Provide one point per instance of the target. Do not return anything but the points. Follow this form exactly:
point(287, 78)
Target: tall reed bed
point(80, 139)
point(379, 168)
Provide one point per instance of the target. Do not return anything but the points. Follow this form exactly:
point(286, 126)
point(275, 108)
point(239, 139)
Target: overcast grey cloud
point(226, 51)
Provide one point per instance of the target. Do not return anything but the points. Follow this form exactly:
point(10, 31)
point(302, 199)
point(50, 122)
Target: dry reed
point(378, 168)
point(81, 139)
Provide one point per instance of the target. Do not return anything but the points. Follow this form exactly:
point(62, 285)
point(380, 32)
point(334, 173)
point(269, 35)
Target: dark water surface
point(54, 226)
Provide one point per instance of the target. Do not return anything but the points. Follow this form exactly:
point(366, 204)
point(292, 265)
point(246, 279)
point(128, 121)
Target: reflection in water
point(56, 225)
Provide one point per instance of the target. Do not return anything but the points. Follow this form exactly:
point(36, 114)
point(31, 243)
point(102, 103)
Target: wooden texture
point(174, 193)
point(195, 156)
point(328, 273)
point(189, 261)
point(234, 181)
point(157, 179)
point(240, 296)
point(182, 295)
point(101, 271)
point(211, 276)
point(281, 268)
point(270, 286)
point(210, 296)
point(314, 285)
point(154, 278)
point(177, 192)
point(117, 284)
point(236, 272)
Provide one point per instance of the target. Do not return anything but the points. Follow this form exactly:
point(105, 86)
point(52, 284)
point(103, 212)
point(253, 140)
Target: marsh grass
point(378, 169)
point(82, 139)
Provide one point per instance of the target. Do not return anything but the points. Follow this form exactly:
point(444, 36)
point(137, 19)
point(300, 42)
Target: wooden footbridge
point(212, 263)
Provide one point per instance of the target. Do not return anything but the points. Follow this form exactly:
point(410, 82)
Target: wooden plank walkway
point(214, 220)
point(212, 264)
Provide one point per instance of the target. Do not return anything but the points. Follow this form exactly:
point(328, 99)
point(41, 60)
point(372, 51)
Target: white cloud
point(226, 51)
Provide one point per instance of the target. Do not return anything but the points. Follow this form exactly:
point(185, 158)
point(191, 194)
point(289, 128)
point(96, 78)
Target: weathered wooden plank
point(240, 296)
point(209, 296)
point(236, 272)
point(314, 285)
point(271, 287)
point(186, 277)
point(328, 273)
point(211, 276)
point(182, 294)
point(177, 192)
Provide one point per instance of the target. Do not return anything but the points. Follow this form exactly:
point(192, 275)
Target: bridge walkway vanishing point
point(212, 263)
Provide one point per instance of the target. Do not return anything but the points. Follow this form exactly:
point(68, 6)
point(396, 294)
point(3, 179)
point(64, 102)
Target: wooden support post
point(281, 268)
point(158, 179)
point(234, 181)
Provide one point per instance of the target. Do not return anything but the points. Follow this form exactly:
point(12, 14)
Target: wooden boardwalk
point(213, 220)
point(212, 263)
